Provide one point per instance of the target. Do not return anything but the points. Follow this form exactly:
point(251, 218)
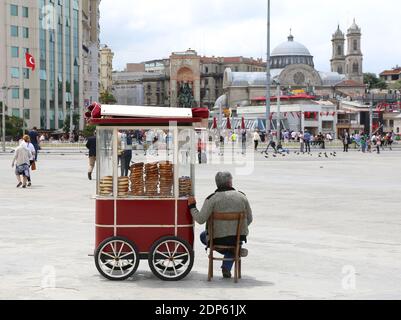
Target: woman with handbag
point(32, 163)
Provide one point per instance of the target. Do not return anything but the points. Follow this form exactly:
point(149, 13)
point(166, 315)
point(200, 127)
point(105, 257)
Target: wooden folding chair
point(232, 216)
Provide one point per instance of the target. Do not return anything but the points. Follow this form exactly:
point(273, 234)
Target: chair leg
point(236, 267)
point(210, 273)
point(239, 269)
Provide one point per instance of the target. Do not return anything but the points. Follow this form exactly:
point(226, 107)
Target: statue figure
point(185, 96)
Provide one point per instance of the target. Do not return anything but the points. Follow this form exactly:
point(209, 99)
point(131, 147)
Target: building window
point(15, 112)
point(25, 32)
point(25, 12)
point(27, 94)
point(14, 73)
point(355, 68)
point(206, 70)
point(15, 93)
point(25, 71)
point(14, 31)
point(14, 10)
point(355, 45)
point(340, 70)
point(15, 52)
point(339, 50)
point(27, 114)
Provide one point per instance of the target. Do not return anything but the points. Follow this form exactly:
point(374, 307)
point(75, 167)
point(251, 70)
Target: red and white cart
point(144, 214)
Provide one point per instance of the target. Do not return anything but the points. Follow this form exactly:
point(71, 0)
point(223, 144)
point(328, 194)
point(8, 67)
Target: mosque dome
point(290, 52)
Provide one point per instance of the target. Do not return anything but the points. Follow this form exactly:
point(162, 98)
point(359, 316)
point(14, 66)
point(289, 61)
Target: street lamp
point(3, 122)
point(268, 75)
point(279, 115)
point(69, 101)
point(370, 111)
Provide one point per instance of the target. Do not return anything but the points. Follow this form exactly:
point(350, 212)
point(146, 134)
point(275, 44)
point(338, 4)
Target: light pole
point(69, 101)
point(268, 76)
point(278, 115)
point(371, 115)
point(3, 122)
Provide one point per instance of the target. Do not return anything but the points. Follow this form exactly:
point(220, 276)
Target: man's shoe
point(244, 253)
point(29, 184)
point(24, 186)
point(19, 184)
point(226, 274)
point(89, 176)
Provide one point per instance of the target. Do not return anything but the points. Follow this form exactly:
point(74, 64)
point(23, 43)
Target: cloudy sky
point(140, 30)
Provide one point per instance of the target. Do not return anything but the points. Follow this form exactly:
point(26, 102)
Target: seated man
point(225, 199)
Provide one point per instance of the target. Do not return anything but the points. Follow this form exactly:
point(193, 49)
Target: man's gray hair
point(223, 179)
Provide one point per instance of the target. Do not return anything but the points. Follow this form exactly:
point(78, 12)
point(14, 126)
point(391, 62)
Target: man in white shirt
point(21, 162)
point(256, 139)
point(31, 148)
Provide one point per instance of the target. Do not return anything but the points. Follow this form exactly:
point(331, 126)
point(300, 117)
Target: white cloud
point(139, 30)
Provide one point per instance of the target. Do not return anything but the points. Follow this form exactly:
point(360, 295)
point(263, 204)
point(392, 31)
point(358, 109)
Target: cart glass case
point(145, 162)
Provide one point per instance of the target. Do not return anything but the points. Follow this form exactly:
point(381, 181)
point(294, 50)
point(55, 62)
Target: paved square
point(324, 228)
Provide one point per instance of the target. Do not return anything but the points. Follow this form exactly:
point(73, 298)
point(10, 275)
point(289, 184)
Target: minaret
point(354, 58)
point(338, 59)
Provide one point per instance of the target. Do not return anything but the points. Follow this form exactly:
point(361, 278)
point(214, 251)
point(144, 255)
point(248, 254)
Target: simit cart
point(145, 173)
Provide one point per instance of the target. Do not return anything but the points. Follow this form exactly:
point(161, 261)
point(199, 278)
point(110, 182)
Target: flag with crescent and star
point(30, 61)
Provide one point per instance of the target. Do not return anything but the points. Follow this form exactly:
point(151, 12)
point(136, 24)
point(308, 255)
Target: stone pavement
point(326, 228)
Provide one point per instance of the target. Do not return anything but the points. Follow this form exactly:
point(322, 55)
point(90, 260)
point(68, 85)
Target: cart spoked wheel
point(171, 259)
point(117, 258)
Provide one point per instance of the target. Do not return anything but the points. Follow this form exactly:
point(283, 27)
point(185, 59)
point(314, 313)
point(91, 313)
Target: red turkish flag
point(30, 61)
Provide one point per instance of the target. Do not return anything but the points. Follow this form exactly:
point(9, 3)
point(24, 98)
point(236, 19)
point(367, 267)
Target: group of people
point(305, 138)
point(365, 144)
point(25, 158)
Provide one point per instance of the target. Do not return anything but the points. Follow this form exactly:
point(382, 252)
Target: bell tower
point(338, 57)
point(354, 58)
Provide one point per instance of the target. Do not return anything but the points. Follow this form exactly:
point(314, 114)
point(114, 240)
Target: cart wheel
point(117, 258)
point(171, 259)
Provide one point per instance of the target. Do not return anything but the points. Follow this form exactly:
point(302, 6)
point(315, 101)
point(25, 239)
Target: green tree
point(107, 98)
point(75, 121)
point(14, 127)
point(89, 131)
point(374, 82)
point(396, 85)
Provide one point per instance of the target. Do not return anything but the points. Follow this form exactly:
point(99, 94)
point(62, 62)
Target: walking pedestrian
point(126, 156)
point(201, 151)
point(363, 143)
point(21, 162)
point(270, 142)
point(378, 143)
point(256, 139)
point(243, 141)
point(91, 146)
point(35, 140)
point(301, 141)
point(346, 141)
point(307, 139)
point(32, 164)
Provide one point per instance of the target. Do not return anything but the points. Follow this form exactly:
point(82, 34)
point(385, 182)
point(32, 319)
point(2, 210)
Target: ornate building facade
point(350, 64)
